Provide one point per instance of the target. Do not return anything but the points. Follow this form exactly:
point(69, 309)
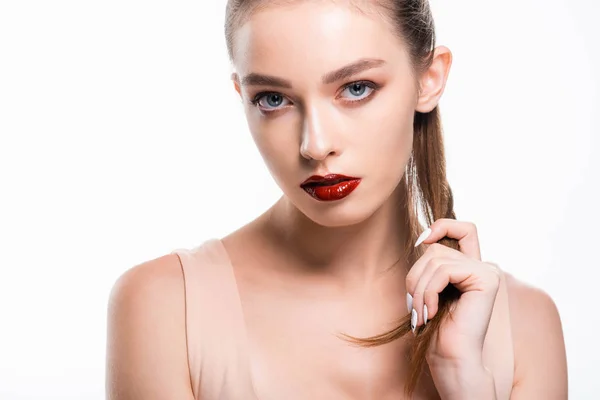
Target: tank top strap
point(215, 326)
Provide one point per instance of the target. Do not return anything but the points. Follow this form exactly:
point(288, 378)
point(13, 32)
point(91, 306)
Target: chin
point(345, 212)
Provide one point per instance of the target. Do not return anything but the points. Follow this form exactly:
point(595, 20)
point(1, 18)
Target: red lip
point(330, 187)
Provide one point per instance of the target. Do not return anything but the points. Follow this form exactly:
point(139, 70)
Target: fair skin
point(304, 255)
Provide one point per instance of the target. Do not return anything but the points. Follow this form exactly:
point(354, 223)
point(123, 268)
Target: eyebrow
point(255, 79)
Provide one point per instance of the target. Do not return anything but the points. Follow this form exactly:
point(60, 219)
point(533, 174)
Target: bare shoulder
point(146, 342)
point(143, 280)
point(540, 359)
point(524, 298)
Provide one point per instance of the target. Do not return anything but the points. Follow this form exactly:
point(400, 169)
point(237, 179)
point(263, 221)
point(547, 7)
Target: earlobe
point(433, 81)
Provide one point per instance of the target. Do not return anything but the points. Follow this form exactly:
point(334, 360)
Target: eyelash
point(373, 86)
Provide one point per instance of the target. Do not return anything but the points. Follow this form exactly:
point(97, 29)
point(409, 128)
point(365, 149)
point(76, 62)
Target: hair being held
point(425, 191)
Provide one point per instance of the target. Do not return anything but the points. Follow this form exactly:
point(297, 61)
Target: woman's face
point(307, 119)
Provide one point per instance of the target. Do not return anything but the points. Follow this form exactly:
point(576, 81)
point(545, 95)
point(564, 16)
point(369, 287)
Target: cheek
point(389, 129)
point(278, 146)
point(390, 141)
point(392, 153)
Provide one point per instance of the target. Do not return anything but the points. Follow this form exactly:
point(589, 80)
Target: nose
point(318, 138)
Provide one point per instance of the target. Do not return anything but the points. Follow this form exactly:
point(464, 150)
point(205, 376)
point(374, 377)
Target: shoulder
point(524, 297)
point(146, 343)
point(531, 308)
point(147, 292)
point(159, 279)
point(540, 359)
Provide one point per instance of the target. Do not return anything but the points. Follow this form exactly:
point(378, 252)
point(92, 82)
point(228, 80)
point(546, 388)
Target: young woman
point(337, 291)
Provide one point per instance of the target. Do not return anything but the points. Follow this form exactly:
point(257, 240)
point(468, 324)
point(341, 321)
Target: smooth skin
point(303, 255)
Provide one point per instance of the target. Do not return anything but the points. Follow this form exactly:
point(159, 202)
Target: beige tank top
point(220, 367)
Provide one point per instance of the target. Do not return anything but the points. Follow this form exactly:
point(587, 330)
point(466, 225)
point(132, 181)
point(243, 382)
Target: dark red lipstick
point(330, 187)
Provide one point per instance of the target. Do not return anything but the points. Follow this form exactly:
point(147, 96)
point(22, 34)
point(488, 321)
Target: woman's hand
point(455, 353)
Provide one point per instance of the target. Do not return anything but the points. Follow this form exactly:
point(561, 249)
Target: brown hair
point(425, 187)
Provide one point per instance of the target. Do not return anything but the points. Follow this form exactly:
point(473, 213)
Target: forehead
point(302, 38)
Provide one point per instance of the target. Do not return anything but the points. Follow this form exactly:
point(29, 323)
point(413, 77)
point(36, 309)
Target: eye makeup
point(371, 86)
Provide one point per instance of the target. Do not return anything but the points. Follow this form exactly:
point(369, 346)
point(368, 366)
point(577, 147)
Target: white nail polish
point(409, 302)
point(423, 236)
point(413, 320)
point(425, 314)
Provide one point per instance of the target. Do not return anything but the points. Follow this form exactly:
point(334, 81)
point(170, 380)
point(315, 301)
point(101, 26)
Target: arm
point(146, 343)
point(540, 359)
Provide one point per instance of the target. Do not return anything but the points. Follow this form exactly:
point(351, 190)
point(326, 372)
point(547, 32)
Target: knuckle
point(495, 273)
point(432, 261)
point(493, 267)
point(443, 271)
point(444, 268)
point(411, 282)
point(444, 274)
point(435, 248)
point(472, 227)
point(417, 296)
point(429, 295)
point(435, 262)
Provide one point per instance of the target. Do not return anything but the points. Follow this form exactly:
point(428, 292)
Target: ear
point(236, 83)
point(433, 81)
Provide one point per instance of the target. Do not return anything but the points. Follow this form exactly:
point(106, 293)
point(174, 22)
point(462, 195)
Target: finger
point(417, 294)
point(464, 232)
point(440, 279)
point(431, 292)
point(465, 277)
point(470, 280)
point(433, 250)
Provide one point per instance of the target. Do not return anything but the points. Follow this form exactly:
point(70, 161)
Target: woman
point(304, 302)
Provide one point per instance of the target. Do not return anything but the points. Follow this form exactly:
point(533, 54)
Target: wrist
point(464, 381)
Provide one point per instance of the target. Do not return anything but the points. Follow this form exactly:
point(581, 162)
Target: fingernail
point(423, 236)
point(413, 320)
point(425, 314)
point(409, 302)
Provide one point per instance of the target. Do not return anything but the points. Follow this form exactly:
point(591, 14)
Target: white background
point(122, 139)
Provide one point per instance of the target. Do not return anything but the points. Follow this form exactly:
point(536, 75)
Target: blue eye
point(357, 89)
point(269, 102)
point(272, 100)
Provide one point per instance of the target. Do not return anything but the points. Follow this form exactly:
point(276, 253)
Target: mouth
point(330, 187)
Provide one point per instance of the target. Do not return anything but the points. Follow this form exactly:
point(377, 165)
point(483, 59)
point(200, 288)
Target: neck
point(361, 253)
